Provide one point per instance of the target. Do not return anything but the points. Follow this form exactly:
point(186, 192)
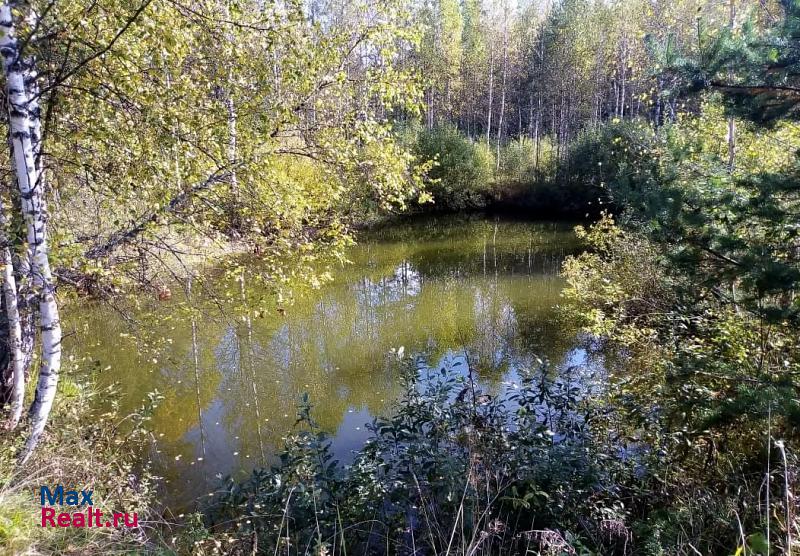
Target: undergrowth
point(455, 469)
point(82, 449)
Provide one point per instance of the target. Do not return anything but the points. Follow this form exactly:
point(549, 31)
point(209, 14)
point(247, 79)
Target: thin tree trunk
point(230, 106)
point(657, 118)
point(22, 119)
point(731, 121)
point(622, 90)
point(26, 293)
point(14, 335)
point(530, 116)
point(232, 152)
point(537, 134)
point(491, 95)
point(26, 298)
point(503, 89)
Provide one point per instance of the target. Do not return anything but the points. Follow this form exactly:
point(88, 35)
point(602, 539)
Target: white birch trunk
point(14, 336)
point(491, 94)
point(731, 122)
point(34, 108)
point(503, 89)
point(232, 144)
point(22, 115)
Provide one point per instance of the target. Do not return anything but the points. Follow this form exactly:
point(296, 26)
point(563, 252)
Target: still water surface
point(436, 291)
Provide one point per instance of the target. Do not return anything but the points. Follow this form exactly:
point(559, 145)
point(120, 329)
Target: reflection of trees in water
point(495, 330)
point(428, 295)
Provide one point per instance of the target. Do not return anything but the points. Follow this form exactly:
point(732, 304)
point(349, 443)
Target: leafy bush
point(547, 467)
point(615, 286)
point(463, 170)
point(453, 469)
point(518, 160)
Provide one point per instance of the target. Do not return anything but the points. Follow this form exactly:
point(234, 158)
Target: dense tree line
point(500, 70)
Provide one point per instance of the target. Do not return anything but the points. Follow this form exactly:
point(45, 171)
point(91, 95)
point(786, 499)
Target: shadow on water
point(445, 291)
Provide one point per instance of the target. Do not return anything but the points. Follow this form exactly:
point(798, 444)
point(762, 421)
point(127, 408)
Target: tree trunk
point(232, 153)
point(230, 106)
point(17, 358)
point(503, 89)
point(622, 81)
point(731, 122)
point(491, 95)
point(537, 134)
point(22, 116)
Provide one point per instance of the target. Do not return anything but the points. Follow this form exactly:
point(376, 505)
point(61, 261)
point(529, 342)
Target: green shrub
point(452, 469)
point(463, 171)
point(518, 160)
point(701, 381)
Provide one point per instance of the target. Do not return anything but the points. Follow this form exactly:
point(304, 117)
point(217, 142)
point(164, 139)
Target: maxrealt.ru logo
point(76, 499)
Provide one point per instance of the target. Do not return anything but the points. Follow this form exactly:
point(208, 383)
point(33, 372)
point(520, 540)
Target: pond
point(442, 292)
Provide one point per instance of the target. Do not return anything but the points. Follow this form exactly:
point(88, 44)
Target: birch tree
point(14, 329)
point(24, 125)
point(504, 72)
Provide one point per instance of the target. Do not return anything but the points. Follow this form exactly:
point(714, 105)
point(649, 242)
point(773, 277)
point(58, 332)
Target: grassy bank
point(103, 451)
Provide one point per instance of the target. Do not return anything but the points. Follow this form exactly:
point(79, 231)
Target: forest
point(413, 277)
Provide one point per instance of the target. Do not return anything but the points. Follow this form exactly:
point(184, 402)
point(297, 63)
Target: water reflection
point(450, 292)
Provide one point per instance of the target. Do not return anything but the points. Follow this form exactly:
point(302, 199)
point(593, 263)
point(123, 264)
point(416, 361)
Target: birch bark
point(491, 94)
point(23, 116)
point(731, 122)
point(230, 106)
point(14, 334)
point(503, 89)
